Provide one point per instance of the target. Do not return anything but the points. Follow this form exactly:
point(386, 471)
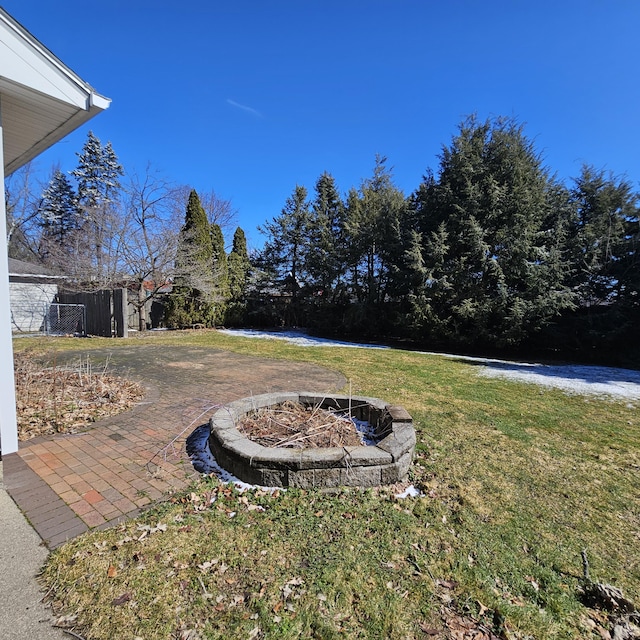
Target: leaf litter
point(66, 398)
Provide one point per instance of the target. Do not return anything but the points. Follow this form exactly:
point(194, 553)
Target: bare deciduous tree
point(219, 211)
point(150, 234)
point(22, 197)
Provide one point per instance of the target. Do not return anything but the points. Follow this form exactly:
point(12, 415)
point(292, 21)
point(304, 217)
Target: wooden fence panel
point(105, 310)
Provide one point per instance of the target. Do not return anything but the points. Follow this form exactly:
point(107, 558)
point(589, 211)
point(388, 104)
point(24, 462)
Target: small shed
point(32, 289)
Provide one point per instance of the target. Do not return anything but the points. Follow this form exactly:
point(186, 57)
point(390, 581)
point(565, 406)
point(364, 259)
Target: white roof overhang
point(41, 99)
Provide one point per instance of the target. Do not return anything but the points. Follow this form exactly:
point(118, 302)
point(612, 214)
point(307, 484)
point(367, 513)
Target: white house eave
point(99, 102)
point(36, 275)
point(30, 59)
point(42, 100)
point(34, 146)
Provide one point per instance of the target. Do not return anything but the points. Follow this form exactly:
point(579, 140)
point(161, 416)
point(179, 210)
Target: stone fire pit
point(386, 462)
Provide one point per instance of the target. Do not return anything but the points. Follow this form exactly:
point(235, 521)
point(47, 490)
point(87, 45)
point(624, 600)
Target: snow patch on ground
point(608, 382)
point(604, 382)
point(203, 460)
point(298, 338)
point(573, 379)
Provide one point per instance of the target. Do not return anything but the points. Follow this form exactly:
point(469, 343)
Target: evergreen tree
point(220, 270)
point(282, 258)
point(325, 257)
point(492, 237)
point(195, 289)
point(603, 239)
point(602, 243)
point(238, 269)
point(59, 218)
point(98, 174)
point(374, 226)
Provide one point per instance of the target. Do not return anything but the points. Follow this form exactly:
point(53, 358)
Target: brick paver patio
point(68, 484)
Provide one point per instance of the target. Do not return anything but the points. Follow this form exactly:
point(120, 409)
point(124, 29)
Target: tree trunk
point(142, 308)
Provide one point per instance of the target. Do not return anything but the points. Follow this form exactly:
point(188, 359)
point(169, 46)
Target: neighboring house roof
point(42, 99)
point(22, 268)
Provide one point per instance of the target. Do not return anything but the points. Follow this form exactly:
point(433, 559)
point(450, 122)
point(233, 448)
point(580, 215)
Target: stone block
point(246, 473)
point(405, 463)
point(360, 476)
point(392, 446)
point(390, 474)
point(324, 478)
point(366, 456)
point(304, 479)
point(399, 441)
point(244, 448)
point(270, 399)
point(320, 458)
point(396, 472)
point(405, 433)
point(222, 420)
point(282, 459)
point(311, 399)
point(225, 436)
point(399, 414)
point(273, 478)
point(236, 410)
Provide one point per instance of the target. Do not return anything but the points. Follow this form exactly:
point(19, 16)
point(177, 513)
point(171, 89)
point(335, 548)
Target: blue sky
point(251, 97)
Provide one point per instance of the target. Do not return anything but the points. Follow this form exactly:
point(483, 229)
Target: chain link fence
point(65, 319)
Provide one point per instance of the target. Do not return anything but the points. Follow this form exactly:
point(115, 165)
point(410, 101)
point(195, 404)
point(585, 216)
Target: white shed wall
point(29, 305)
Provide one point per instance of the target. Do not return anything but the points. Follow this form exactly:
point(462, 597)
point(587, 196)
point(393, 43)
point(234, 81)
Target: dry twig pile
point(294, 426)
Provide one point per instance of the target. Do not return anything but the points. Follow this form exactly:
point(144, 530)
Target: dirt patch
point(191, 366)
point(292, 425)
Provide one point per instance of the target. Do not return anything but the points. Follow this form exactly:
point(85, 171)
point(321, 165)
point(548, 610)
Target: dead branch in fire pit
point(293, 425)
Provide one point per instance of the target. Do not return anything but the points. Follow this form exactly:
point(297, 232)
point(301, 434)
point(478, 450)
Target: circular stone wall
point(387, 462)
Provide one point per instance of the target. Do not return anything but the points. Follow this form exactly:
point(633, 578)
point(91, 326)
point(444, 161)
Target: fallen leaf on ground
point(124, 598)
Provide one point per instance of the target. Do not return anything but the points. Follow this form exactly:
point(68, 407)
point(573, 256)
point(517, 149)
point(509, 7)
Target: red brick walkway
point(67, 484)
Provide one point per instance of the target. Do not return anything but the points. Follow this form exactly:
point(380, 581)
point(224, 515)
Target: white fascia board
point(98, 101)
point(28, 62)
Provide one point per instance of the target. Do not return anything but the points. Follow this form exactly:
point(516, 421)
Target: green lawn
point(516, 481)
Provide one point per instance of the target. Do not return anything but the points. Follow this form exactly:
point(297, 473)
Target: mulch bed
point(66, 399)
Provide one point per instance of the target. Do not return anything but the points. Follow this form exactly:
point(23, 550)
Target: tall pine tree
point(98, 177)
point(238, 269)
point(220, 273)
point(492, 238)
point(325, 257)
point(375, 235)
point(59, 219)
point(282, 258)
point(603, 238)
point(195, 289)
